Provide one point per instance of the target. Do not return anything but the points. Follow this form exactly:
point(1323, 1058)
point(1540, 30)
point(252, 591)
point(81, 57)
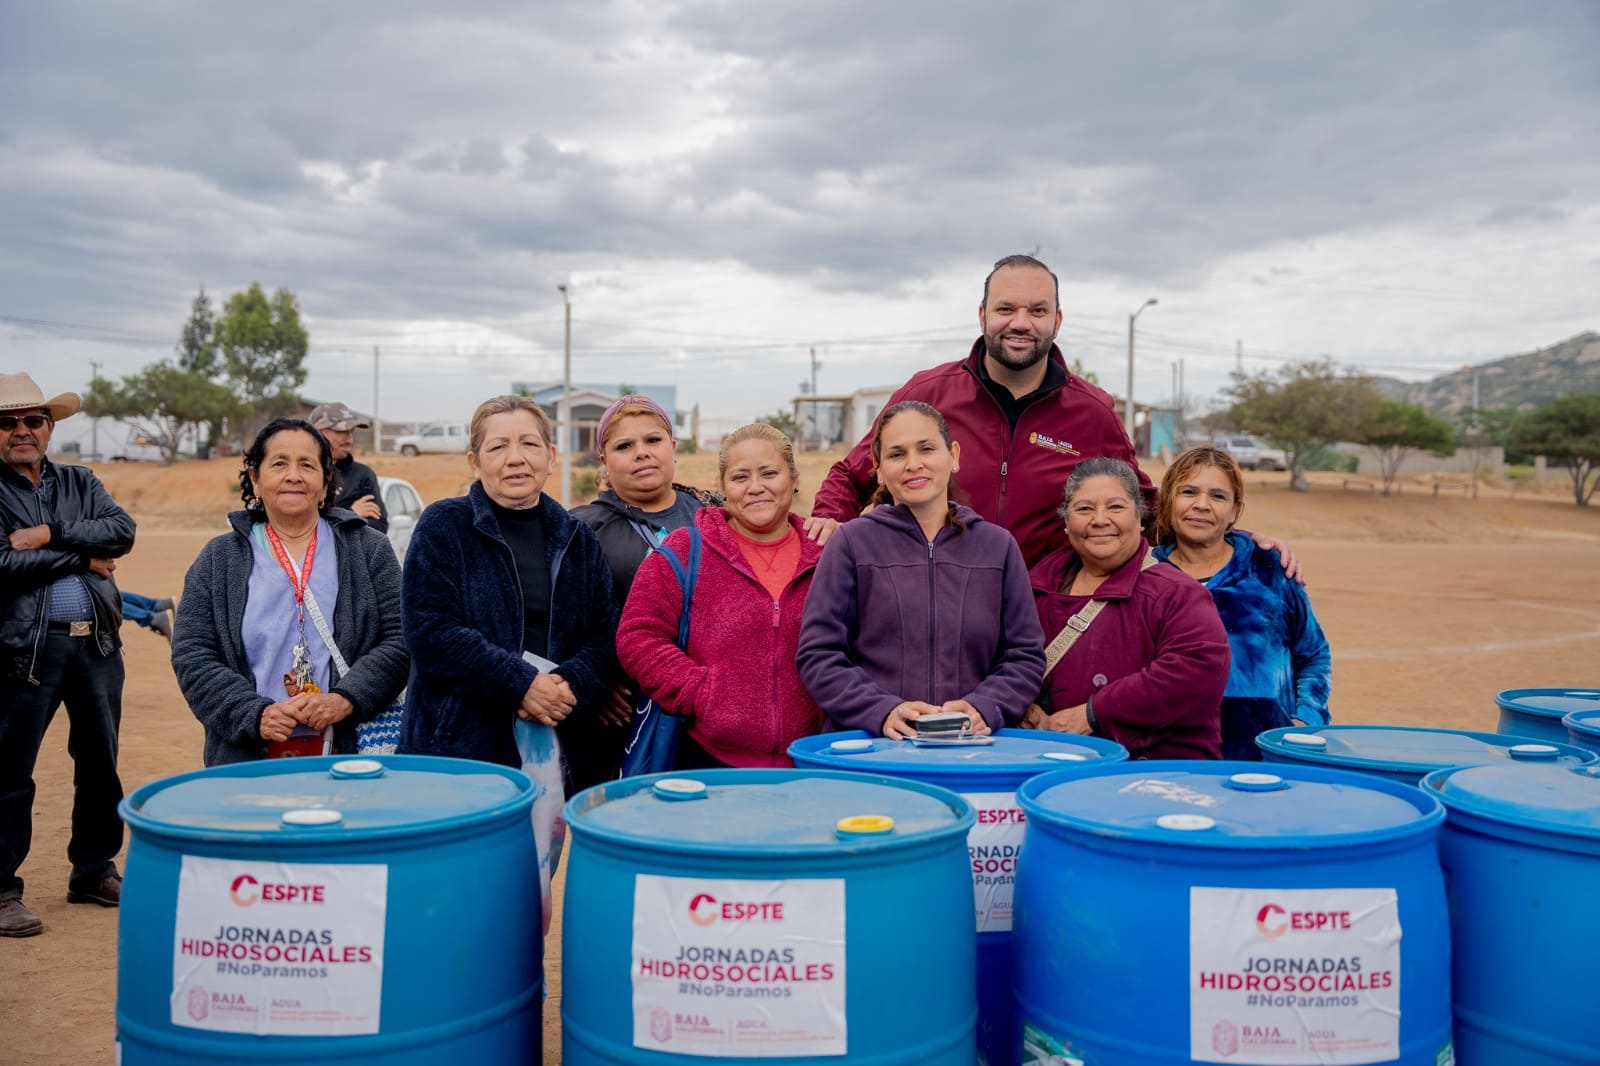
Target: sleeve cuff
point(1088, 712)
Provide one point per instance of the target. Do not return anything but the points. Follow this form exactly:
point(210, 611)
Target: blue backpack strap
point(687, 575)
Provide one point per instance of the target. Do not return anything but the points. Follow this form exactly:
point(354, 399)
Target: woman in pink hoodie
point(736, 683)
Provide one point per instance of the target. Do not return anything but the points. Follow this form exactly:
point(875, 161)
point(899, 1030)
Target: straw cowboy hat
point(19, 392)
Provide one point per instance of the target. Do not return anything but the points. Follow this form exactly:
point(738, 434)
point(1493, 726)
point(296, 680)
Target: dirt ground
point(1432, 604)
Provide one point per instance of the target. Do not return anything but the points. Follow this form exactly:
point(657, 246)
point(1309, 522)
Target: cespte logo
point(706, 909)
point(1273, 921)
point(245, 891)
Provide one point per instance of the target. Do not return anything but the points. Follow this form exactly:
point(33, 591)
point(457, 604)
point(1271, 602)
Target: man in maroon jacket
point(1023, 421)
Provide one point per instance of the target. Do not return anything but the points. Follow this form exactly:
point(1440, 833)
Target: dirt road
point(1432, 606)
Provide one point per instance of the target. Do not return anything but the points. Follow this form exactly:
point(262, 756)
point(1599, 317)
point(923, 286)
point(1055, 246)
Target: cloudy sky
point(1405, 187)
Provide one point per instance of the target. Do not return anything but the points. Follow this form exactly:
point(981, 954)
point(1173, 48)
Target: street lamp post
point(564, 435)
point(1128, 411)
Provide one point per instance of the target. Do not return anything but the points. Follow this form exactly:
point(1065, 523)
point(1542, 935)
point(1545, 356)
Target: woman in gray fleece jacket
point(243, 621)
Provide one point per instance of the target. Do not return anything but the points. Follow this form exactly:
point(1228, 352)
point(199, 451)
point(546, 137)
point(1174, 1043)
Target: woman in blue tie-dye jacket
point(1282, 668)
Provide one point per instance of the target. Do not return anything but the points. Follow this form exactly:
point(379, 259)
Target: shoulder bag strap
point(326, 632)
point(1078, 624)
point(687, 574)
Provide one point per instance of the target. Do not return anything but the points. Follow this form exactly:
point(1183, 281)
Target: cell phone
point(942, 723)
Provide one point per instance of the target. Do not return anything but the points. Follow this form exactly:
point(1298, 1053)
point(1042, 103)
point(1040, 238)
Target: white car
point(403, 505)
point(441, 438)
point(1253, 455)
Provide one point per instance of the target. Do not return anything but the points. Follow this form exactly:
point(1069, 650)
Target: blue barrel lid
point(1408, 749)
point(1233, 805)
point(327, 798)
point(1557, 799)
point(1018, 752)
point(767, 812)
point(1548, 702)
point(1584, 722)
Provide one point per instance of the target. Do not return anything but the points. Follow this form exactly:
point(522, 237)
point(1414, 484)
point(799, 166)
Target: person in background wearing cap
point(358, 485)
point(60, 534)
point(638, 458)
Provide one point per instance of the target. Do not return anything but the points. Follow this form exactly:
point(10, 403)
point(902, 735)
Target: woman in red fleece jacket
point(736, 683)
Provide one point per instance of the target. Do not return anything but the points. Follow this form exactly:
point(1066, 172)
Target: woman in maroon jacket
point(1150, 668)
point(736, 683)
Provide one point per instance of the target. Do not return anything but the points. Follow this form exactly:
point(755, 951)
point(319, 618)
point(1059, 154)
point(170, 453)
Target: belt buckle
point(79, 629)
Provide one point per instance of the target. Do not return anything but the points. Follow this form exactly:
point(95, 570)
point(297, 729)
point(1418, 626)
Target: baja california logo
point(1060, 447)
point(660, 1025)
point(1225, 1038)
point(199, 1006)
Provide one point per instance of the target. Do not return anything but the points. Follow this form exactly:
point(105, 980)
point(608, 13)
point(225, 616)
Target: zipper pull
point(774, 614)
point(1003, 465)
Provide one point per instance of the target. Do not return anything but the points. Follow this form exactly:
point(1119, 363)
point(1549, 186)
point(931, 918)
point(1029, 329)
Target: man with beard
point(60, 537)
point(1022, 419)
point(358, 485)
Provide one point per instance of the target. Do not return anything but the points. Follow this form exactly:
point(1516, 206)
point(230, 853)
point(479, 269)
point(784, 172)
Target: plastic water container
point(1224, 912)
point(987, 776)
point(1537, 712)
point(737, 916)
point(328, 910)
point(1407, 753)
point(1521, 854)
point(1584, 729)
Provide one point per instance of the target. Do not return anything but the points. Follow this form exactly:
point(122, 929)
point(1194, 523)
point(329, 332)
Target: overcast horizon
point(1403, 188)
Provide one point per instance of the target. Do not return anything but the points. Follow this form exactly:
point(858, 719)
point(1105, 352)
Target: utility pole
point(1238, 356)
point(1128, 420)
point(1174, 384)
point(565, 421)
point(815, 366)
point(94, 444)
point(1474, 390)
point(377, 421)
point(1183, 419)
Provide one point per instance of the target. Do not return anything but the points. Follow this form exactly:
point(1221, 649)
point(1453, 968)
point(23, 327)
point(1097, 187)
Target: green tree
point(1304, 406)
point(1567, 429)
point(1401, 428)
point(263, 348)
point(161, 402)
point(783, 421)
point(197, 345)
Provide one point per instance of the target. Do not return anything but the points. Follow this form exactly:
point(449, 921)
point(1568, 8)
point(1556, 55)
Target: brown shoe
point(17, 920)
point(107, 891)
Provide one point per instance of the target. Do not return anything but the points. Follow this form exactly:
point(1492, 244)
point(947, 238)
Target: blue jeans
point(138, 609)
point(72, 671)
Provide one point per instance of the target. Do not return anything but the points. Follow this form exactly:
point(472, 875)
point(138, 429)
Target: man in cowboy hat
point(358, 485)
point(60, 535)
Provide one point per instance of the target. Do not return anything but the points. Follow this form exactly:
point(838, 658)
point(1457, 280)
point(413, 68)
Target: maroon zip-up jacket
point(1012, 479)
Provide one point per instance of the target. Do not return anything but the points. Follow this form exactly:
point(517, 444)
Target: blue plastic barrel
point(1408, 753)
point(737, 916)
point(987, 776)
point(1584, 729)
point(1521, 855)
point(324, 910)
point(1222, 912)
point(1537, 712)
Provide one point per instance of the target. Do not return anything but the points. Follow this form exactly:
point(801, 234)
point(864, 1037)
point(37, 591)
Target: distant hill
point(1521, 382)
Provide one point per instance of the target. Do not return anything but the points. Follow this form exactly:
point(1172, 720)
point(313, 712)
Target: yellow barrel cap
point(864, 825)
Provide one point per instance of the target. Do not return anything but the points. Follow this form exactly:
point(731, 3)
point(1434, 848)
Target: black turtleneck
point(524, 532)
point(1055, 376)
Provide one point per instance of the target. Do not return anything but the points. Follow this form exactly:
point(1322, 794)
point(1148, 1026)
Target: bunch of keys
point(304, 740)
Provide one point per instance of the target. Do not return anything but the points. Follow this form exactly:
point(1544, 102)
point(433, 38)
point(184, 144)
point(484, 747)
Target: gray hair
point(1103, 466)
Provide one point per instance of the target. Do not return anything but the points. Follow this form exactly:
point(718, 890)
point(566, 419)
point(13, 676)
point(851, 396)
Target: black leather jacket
point(84, 523)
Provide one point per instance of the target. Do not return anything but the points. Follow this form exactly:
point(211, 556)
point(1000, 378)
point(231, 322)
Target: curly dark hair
point(258, 454)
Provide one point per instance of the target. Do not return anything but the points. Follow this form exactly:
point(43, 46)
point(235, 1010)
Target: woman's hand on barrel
point(548, 700)
point(902, 721)
point(277, 721)
point(980, 728)
point(319, 710)
point(1071, 720)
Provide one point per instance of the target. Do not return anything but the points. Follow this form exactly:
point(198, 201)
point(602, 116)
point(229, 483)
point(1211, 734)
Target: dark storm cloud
point(388, 160)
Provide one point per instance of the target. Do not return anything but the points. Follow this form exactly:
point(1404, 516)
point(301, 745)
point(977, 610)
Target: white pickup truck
point(1252, 454)
point(441, 437)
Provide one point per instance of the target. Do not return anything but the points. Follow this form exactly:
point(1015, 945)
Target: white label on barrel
point(993, 844)
point(279, 949)
point(1294, 975)
point(738, 968)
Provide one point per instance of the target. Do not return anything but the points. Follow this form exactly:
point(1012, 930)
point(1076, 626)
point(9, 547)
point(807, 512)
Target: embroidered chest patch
point(1050, 443)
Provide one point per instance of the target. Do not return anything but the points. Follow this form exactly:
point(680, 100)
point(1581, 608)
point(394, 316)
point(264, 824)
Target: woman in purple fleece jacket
point(920, 605)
